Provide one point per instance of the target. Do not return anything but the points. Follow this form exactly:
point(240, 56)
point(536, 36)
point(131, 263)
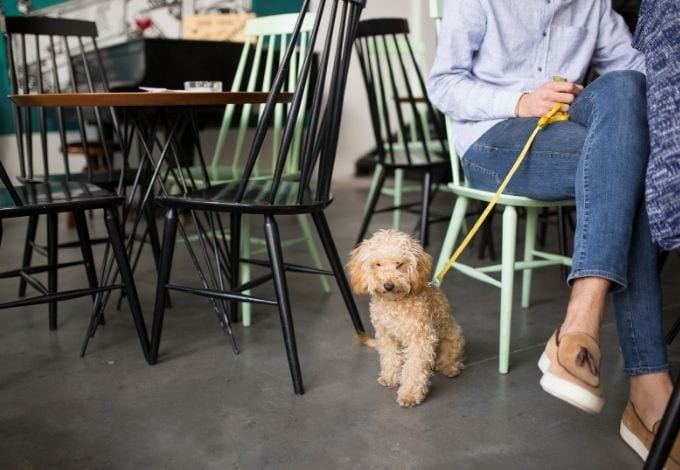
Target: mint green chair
point(532, 257)
point(266, 38)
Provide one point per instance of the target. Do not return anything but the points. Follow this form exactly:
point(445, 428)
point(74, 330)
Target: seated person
point(492, 76)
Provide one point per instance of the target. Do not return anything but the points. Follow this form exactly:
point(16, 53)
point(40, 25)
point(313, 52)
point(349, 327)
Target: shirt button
point(540, 69)
point(544, 34)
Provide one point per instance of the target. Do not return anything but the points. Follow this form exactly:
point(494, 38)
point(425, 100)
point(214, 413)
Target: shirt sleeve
point(614, 50)
point(452, 86)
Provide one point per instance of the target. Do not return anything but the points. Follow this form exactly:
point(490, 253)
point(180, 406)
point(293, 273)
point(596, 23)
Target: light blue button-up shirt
point(491, 51)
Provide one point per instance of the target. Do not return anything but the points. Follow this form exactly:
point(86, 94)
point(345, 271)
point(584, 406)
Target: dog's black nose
point(388, 286)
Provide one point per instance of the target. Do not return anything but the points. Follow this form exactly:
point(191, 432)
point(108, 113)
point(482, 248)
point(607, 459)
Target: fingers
point(564, 87)
point(541, 101)
point(559, 92)
point(566, 98)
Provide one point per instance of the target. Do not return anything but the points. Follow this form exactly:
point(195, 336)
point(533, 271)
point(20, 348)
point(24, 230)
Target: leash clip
point(436, 282)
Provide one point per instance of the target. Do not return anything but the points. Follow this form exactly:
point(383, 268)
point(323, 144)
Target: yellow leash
point(553, 116)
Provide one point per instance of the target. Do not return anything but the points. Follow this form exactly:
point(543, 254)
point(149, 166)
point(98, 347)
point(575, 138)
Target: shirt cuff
point(505, 103)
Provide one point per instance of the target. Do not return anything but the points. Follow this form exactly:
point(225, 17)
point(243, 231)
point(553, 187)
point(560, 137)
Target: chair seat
point(104, 178)
point(224, 174)
point(418, 160)
point(221, 198)
point(506, 199)
point(216, 174)
point(55, 197)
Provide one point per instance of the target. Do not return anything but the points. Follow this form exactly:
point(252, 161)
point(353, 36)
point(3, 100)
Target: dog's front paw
point(451, 370)
point(409, 398)
point(388, 381)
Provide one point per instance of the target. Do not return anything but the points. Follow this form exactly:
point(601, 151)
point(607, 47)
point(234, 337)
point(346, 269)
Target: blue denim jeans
point(599, 157)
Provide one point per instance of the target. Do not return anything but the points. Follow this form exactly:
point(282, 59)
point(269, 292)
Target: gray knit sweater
point(658, 37)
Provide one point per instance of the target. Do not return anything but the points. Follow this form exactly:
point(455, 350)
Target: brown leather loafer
point(634, 432)
point(571, 370)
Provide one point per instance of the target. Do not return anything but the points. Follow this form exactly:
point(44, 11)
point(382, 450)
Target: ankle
point(586, 307)
point(649, 394)
point(576, 326)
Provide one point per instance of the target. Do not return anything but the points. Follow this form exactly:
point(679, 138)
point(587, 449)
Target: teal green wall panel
point(274, 7)
point(6, 126)
point(9, 8)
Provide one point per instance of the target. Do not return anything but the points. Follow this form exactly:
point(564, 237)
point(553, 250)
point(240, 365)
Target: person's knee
point(615, 92)
point(626, 84)
point(629, 83)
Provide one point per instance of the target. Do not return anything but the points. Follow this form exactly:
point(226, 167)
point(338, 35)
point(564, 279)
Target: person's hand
point(540, 101)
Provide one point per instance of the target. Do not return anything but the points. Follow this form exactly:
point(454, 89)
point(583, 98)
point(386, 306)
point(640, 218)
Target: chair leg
point(273, 239)
point(303, 221)
point(52, 260)
point(529, 246)
point(80, 222)
point(235, 265)
point(153, 231)
point(375, 178)
point(113, 226)
point(28, 250)
point(562, 229)
point(455, 226)
point(542, 235)
point(398, 197)
point(425, 208)
point(338, 270)
point(154, 238)
point(507, 283)
point(97, 315)
point(372, 202)
point(246, 253)
point(487, 241)
point(167, 252)
point(673, 332)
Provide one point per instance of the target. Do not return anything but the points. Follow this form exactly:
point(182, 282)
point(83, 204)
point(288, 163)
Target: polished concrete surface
point(202, 406)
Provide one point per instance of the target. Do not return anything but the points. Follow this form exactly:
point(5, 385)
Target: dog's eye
point(399, 265)
point(377, 265)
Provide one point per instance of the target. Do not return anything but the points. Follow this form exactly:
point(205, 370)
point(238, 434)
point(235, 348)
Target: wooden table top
point(144, 99)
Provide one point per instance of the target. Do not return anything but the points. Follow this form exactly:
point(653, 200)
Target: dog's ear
point(420, 275)
point(357, 271)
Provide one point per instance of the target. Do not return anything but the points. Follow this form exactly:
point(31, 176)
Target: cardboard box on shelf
point(217, 27)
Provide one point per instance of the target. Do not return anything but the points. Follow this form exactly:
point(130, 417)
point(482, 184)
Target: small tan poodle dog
point(415, 332)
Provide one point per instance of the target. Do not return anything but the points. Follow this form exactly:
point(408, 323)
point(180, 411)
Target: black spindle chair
point(409, 132)
point(309, 193)
point(51, 198)
point(56, 55)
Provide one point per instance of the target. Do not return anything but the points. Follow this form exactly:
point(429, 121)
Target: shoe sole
point(544, 363)
point(633, 441)
point(567, 391)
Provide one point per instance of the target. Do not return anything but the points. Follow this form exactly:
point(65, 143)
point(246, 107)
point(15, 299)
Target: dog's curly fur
point(415, 332)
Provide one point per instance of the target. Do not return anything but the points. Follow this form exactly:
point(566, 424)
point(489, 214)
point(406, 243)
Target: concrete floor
point(202, 406)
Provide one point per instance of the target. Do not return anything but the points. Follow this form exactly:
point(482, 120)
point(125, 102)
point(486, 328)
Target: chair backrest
point(401, 114)
point(319, 138)
point(268, 36)
point(436, 13)
point(54, 55)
